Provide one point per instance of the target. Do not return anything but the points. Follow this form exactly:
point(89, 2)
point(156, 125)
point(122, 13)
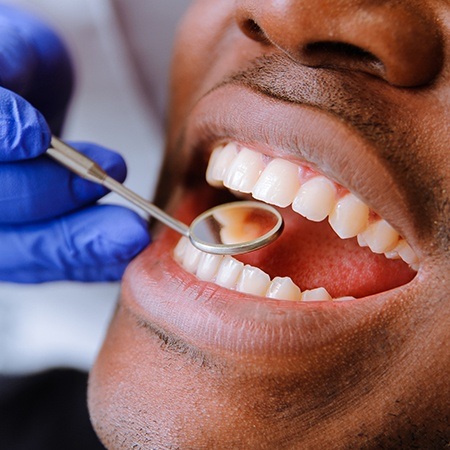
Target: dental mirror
point(229, 229)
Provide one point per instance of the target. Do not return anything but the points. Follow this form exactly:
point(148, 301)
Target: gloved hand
point(50, 227)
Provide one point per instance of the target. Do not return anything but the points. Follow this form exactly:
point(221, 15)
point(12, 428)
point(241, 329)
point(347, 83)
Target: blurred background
point(121, 52)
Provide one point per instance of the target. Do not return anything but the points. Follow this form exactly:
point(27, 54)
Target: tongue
point(314, 256)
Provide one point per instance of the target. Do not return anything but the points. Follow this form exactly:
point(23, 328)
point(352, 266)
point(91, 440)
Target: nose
point(397, 41)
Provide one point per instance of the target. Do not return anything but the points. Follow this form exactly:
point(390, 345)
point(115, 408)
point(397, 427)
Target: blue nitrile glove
point(50, 227)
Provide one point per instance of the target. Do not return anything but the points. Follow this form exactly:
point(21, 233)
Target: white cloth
point(63, 324)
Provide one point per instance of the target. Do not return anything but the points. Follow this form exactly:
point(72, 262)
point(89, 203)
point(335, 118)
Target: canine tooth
point(379, 236)
point(406, 253)
point(229, 272)
point(315, 199)
point(314, 295)
point(180, 248)
point(253, 281)
point(278, 183)
point(283, 288)
point(191, 258)
point(344, 299)
point(208, 265)
point(349, 217)
point(221, 158)
point(244, 171)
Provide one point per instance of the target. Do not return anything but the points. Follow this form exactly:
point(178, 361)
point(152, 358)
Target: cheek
point(198, 45)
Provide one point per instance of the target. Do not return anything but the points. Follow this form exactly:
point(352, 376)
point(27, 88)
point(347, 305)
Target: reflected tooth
point(315, 295)
point(349, 217)
point(244, 171)
point(315, 199)
point(208, 265)
point(278, 183)
point(253, 281)
point(237, 226)
point(180, 248)
point(219, 162)
point(229, 272)
point(406, 253)
point(191, 258)
point(379, 236)
point(283, 288)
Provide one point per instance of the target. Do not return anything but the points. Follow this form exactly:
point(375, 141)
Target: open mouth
point(334, 246)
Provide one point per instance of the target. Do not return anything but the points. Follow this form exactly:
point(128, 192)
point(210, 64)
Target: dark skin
point(359, 91)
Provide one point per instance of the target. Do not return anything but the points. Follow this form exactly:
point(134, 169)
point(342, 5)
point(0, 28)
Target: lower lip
point(212, 318)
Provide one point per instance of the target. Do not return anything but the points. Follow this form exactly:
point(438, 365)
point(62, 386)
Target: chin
point(334, 336)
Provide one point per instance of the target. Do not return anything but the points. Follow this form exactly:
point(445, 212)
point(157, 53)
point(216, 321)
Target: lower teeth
point(232, 274)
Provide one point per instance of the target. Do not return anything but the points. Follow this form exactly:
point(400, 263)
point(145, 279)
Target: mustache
point(332, 91)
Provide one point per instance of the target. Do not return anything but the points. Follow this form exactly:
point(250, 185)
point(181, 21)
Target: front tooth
point(379, 236)
point(315, 295)
point(315, 199)
point(244, 171)
point(278, 183)
point(349, 217)
point(191, 258)
point(208, 265)
point(283, 288)
point(229, 272)
point(253, 281)
point(221, 158)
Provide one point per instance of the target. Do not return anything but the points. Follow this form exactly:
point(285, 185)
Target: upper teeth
point(283, 183)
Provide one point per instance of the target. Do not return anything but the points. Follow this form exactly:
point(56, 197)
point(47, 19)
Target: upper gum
point(306, 172)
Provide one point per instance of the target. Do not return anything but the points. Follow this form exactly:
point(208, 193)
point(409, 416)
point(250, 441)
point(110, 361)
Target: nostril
point(400, 44)
point(341, 54)
point(341, 49)
point(252, 30)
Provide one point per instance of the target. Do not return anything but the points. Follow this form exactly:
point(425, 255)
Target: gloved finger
point(34, 63)
point(24, 132)
point(94, 244)
point(40, 189)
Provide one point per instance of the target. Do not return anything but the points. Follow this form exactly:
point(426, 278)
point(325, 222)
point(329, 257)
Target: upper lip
point(301, 134)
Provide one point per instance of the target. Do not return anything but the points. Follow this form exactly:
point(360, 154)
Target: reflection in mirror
point(236, 228)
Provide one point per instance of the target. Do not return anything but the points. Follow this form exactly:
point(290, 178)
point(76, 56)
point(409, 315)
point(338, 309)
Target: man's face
point(331, 109)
